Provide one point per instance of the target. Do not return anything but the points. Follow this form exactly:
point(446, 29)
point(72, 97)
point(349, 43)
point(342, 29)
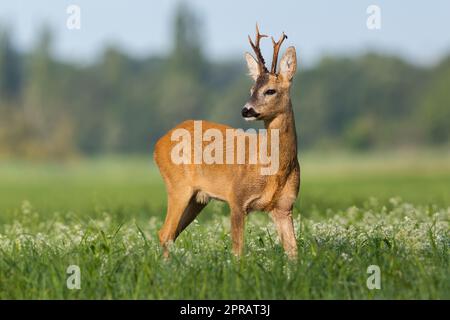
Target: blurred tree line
point(121, 104)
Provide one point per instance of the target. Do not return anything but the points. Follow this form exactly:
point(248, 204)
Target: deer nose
point(245, 112)
point(248, 112)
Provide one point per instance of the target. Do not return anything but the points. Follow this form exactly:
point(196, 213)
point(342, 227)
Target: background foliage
point(387, 206)
point(122, 104)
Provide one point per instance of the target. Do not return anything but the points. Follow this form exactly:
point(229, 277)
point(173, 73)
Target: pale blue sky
point(418, 30)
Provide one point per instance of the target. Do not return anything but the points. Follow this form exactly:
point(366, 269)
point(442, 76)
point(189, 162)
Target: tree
point(186, 55)
point(10, 73)
point(183, 86)
point(433, 113)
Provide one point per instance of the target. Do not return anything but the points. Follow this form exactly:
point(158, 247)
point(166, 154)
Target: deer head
point(270, 93)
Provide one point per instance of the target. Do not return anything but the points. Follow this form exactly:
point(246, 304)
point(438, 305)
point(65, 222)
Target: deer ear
point(252, 65)
point(288, 64)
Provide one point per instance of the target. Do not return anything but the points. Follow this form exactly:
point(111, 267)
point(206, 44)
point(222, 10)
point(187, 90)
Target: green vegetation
point(64, 202)
point(122, 104)
point(103, 215)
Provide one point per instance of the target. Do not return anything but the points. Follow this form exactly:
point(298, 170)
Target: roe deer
point(191, 185)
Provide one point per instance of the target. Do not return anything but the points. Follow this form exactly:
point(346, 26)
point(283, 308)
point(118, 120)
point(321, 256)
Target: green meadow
point(387, 209)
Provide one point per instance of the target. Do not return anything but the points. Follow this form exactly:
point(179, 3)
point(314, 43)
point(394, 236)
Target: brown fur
point(190, 186)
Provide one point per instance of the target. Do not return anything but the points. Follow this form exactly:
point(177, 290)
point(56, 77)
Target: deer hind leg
point(182, 208)
point(191, 212)
point(285, 228)
point(177, 202)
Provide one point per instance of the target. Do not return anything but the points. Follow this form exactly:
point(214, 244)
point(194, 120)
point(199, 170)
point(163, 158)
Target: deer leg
point(237, 230)
point(285, 228)
point(190, 213)
point(177, 202)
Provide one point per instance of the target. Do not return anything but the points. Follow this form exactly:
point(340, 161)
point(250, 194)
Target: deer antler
point(255, 46)
point(276, 49)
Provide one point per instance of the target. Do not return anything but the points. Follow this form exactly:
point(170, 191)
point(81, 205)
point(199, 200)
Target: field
point(391, 210)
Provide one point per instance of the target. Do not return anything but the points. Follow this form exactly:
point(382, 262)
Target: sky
point(416, 30)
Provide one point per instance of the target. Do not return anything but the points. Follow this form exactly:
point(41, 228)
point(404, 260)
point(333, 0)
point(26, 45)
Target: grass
point(103, 215)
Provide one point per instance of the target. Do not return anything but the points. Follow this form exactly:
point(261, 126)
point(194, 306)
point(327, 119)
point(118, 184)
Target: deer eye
point(270, 92)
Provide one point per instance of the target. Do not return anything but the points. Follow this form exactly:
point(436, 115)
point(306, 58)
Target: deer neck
point(285, 124)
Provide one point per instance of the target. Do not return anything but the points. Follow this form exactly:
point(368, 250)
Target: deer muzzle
point(249, 113)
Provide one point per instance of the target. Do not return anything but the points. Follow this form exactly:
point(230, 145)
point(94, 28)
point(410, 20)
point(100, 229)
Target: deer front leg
point(285, 228)
point(237, 230)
